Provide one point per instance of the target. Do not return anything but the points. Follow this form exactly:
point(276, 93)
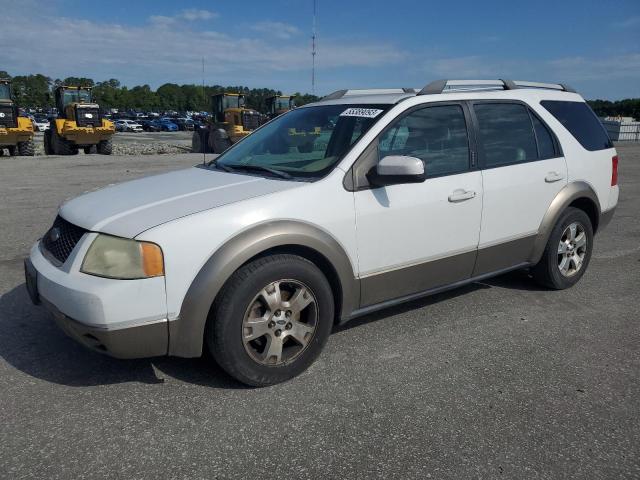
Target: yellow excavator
point(230, 121)
point(16, 132)
point(79, 124)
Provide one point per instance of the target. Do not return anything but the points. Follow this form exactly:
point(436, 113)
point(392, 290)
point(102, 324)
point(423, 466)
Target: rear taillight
point(614, 171)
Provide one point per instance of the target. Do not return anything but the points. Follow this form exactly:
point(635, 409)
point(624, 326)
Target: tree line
point(34, 91)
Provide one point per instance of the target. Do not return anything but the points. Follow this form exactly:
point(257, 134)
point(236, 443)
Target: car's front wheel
point(568, 251)
point(271, 320)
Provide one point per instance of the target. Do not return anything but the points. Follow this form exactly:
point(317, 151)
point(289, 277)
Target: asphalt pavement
point(500, 379)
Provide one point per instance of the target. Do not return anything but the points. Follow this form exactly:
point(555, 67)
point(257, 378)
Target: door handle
point(553, 177)
point(460, 195)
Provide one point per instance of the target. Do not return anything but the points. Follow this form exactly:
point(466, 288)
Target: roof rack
point(366, 91)
point(450, 86)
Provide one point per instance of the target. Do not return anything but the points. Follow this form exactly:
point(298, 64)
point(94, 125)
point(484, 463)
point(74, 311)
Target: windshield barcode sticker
point(361, 112)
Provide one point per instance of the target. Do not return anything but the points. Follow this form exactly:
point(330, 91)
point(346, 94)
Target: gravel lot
point(496, 380)
point(143, 143)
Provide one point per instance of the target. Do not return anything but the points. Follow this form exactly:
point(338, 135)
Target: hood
point(128, 209)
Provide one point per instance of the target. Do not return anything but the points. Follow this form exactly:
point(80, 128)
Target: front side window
point(302, 143)
point(505, 134)
point(437, 135)
point(582, 123)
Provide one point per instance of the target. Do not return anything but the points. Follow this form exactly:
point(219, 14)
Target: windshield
point(304, 143)
point(5, 92)
point(232, 101)
point(76, 96)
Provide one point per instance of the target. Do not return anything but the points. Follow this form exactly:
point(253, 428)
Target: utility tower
point(313, 50)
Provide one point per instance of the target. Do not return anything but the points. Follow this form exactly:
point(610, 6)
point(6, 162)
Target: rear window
point(582, 123)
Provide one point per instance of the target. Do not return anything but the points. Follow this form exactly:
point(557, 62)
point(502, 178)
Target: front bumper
point(11, 136)
point(121, 318)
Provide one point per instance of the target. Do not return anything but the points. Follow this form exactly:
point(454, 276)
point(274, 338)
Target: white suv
point(331, 211)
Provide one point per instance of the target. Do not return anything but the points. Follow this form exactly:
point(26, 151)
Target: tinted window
point(546, 147)
point(506, 134)
point(580, 120)
point(436, 135)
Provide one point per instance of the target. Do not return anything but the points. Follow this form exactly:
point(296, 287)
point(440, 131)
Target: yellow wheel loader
point(230, 122)
point(279, 104)
point(79, 124)
point(303, 140)
point(16, 132)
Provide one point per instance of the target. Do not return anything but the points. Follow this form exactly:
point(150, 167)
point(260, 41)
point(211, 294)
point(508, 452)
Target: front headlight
point(116, 257)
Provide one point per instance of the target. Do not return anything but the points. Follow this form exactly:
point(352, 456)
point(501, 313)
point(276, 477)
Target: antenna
point(313, 50)
point(204, 99)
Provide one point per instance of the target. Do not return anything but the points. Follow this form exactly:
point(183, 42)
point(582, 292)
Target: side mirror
point(397, 169)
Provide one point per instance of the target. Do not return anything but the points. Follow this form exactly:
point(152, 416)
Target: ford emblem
point(54, 234)
point(89, 115)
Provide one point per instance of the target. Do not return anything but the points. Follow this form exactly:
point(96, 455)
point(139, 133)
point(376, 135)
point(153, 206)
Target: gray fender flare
point(571, 192)
point(187, 332)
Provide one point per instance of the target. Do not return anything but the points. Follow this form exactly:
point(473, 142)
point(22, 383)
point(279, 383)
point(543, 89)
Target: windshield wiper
point(257, 168)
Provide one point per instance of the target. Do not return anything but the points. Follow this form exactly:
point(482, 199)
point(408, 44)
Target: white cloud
point(280, 30)
point(169, 49)
point(190, 15)
point(627, 23)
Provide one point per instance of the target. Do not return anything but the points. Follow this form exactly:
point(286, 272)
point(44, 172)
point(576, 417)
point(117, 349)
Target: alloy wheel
point(280, 322)
point(572, 249)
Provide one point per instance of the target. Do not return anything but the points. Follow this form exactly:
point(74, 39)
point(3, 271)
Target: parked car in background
point(150, 125)
point(40, 123)
point(167, 125)
point(184, 124)
point(128, 126)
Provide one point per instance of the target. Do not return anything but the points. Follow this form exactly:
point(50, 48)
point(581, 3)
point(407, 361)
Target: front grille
point(8, 116)
point(250, 120)
point(88, 117)
point(62, 238)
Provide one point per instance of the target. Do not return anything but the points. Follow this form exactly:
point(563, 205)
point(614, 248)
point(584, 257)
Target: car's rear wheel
point(568, 251)
point(271, 320)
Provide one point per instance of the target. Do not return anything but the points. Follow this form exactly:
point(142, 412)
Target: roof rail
point(366, 91)
point(450, 86)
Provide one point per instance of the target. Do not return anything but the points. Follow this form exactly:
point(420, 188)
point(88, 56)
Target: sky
point(593, 46)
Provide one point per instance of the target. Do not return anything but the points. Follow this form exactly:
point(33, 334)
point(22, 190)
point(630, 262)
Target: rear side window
point(546, 147)
point(581, 122)
point(506, 134)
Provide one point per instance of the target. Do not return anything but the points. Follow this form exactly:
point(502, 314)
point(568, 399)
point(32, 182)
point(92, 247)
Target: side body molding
point(571, 192)
point(187, 332)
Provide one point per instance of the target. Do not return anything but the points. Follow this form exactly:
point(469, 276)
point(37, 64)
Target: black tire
point(200, 141)
point(220, 141)
point(90, 149)
point(61, 146)
point(12, 150)
point(547, 271)
point(223, 335)
point(105, 147)
point(48, 149)
point(26, 149)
